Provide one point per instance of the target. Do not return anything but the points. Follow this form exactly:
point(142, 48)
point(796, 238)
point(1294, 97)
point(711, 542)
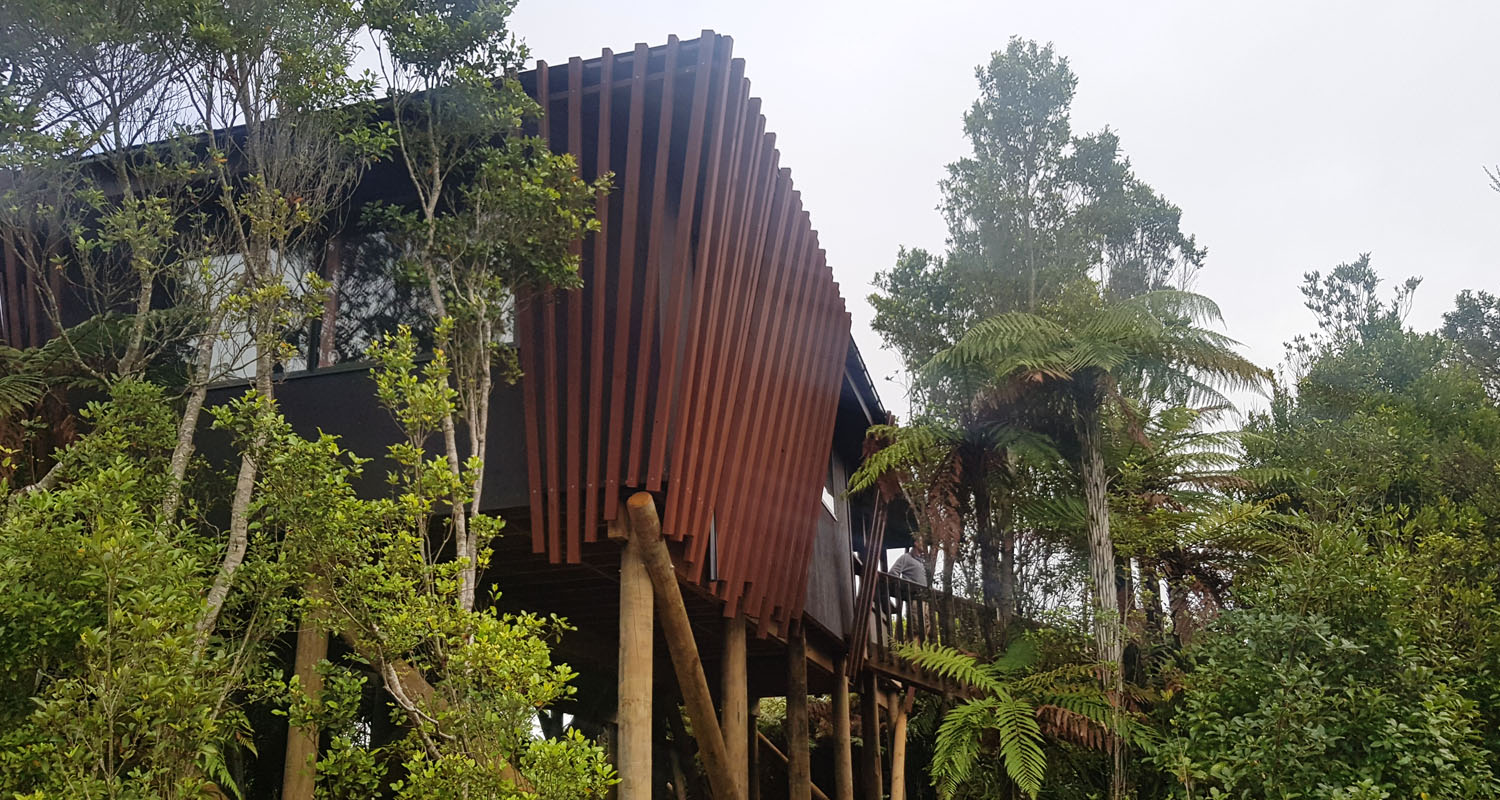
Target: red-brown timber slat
point(618, 411)
point(773, 516)
point(712, 69)
point(817, 442)
point(710, 370)
point(651, 296)
point(573, 313)
point(744, 371)
point(744, 436)
point(730, 340)
point(750, 224)
point(710, 325)
point(595, 281)
point(762, 518)
point(708, 363)
point(531, 388)
point(806, 472)
point(796, 449)
point(823, 434)
point(766, 420)
point(552, 446)
point(716, 227)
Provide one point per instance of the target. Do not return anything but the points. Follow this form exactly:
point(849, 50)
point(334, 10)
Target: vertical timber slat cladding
point(695, 392)
point(624, 309)
point(573, 311)
point(737, 298)
point(822, 431)
point(530, 387)
point(807, 459)
point(747, 434)
point(650, 297)
point(681, 241)
point(714, 230)
point(703, 355)
point(549, 366)
point(789, 445)
point(594, 281)
point(769, 407)
point(767, 514)
point(761, 269)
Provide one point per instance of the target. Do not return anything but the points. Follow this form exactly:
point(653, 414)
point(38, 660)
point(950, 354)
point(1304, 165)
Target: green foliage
point(1011, 712)
point(1341, 677)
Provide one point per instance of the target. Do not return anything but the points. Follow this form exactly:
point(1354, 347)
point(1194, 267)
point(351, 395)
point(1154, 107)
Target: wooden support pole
point(734, 712)
point(899, 710)
point(869, 724)
point(299, 773)
point(633, 713)
point(754, 735)
point(645, 530)
point(799, 756)
point(843, 753)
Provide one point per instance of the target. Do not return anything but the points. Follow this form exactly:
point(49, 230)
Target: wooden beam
point(843, 755)
point(633, 713)
point(869, 752)
point(734, 714)
point(645, 531)
point(799, 756)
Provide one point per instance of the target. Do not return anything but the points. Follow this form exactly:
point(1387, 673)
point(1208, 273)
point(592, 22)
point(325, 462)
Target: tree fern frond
point(952, 664)
point(1015, 724)
point(957, 746)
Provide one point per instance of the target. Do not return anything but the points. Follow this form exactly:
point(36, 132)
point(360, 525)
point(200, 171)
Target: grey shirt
point(911, 567)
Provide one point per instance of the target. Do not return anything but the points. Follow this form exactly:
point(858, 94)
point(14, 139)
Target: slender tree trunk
point(947, 615)
point(187, 427)
point(239, 510)
point(1181, 609)
point(1006, 523)
point(1107, 630)
point(989, 559)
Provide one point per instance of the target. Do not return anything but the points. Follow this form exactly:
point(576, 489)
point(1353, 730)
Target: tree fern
point(1011, 713)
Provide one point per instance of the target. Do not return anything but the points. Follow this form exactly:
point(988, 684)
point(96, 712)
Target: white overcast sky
point(1294, 135)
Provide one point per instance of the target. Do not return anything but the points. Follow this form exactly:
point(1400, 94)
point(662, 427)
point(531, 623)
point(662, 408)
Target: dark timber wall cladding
point(703, 356)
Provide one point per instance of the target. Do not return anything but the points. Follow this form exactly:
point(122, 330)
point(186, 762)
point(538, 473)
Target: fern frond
point(954, 665)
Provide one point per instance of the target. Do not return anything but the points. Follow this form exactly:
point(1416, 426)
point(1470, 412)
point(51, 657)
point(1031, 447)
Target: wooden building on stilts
point(673, 464)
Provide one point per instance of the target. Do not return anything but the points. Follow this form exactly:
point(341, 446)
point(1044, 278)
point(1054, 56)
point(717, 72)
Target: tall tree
point(1151, 345)
point(496, 212)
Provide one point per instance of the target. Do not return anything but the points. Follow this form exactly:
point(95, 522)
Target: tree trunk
point(1006, 523)
point(1151, 597)
point(244, 492)
point(1178, 603)
point(989, 559)
point(1107, 634)
point(947, 605)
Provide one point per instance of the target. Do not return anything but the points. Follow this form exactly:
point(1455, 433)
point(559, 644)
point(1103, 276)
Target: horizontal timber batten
point(703, 356)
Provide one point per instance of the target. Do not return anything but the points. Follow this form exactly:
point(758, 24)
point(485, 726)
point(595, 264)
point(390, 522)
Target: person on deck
point(912, 565)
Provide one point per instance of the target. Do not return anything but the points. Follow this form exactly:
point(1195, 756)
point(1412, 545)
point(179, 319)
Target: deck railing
point(903, 612)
